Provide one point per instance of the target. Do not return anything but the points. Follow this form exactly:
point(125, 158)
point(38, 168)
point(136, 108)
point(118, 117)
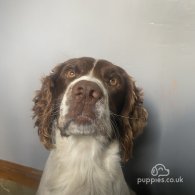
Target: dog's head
point(87, 97)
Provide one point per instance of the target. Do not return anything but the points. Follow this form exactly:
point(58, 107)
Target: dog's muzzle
point(84, 97)
point(82, 104)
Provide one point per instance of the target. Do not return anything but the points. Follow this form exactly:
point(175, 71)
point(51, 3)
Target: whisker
point(131, 118)
point(119, 115)
point(115, 131)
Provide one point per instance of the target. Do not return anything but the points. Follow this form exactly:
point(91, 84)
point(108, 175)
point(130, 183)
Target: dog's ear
point(134, 118)
point(44, 107)
point(43, 111)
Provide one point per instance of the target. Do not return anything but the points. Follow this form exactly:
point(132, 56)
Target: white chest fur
point(83, 165)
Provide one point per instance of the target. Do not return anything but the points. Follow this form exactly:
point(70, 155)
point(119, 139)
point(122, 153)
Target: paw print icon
point(159, 170)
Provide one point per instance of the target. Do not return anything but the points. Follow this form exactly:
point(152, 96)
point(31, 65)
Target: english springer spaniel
point(88, 113)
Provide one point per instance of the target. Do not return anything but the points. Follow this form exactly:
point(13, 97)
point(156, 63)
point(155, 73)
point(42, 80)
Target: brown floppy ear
point(134, 118)
point(43, 105)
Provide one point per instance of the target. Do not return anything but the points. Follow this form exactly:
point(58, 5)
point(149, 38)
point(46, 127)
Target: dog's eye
point(70, 74)
point(113, 81)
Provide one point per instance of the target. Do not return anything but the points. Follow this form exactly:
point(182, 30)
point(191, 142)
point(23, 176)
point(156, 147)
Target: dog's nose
point(87, 89)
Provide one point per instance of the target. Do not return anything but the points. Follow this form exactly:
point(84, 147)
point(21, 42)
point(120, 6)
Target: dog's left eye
point(70, 74)
point(113, 81)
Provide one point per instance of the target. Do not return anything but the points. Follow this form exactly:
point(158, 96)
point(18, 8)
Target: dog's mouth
point(79, 120)
point(83, 120)
point(79, 124)
point(80, 113)
point(88, 120)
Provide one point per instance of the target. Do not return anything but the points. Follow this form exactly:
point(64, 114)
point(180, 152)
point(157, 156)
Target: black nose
point(87, 89)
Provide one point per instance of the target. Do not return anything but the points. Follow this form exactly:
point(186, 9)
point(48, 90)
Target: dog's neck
point(82, 147)
point(81, 165)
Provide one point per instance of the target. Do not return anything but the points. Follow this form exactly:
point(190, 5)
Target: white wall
point(152, 39)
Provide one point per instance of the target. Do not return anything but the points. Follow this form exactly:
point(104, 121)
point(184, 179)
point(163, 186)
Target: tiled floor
point(12, 188)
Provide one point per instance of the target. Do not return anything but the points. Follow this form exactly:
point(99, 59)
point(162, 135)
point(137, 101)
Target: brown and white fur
point(87, 112)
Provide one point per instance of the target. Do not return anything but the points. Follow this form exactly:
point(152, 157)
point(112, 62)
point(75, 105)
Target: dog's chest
point(82, 167)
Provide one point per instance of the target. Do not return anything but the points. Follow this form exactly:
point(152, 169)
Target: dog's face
point(88, 97)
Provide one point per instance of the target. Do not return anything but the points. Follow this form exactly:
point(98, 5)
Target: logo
point(159, 170)
point(160, 173)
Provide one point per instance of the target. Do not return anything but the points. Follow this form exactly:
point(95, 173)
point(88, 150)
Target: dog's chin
point(81, 125)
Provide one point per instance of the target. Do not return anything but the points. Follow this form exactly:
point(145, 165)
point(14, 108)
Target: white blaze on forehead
point(94, 64)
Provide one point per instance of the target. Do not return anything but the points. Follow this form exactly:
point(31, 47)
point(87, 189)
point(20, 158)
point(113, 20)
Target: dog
point(88, 112)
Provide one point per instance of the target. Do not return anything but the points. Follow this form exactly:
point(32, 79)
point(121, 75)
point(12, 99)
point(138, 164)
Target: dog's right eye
point(70, 74)
point(113, 82)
